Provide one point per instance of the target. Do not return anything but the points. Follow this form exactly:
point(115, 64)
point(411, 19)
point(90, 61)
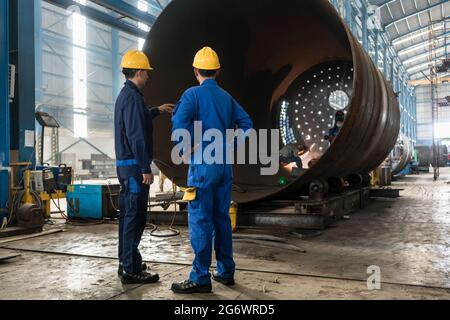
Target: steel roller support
point(291, 64)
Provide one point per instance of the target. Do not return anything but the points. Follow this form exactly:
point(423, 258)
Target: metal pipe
point(271, 52)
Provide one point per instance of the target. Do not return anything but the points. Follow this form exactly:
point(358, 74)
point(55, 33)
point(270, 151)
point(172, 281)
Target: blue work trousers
point(209, 221)
point(133, 204)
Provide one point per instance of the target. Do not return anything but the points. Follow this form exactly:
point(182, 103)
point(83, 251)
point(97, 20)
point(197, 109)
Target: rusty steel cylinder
point(292, 65)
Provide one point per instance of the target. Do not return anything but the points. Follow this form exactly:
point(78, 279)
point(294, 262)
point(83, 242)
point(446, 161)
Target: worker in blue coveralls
point(209, 220)
point(133, 131)
point(339, 118)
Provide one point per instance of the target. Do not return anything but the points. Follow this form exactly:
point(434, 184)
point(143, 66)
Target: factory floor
point(407, 238)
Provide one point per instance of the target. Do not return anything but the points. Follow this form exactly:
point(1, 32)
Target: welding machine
point(62, 175)
point(43, 181)
point(93, 201)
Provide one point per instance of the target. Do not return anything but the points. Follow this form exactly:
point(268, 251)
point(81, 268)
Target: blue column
point(349, 14)
point(38, 48)
point(365, 35)
point(115, 51)
point(408, 109)
point(377, 40)
point(4, 104)
point(392, 70)
point(397, 79)
point(38, 55)
point(415, 115)
point(22, 42)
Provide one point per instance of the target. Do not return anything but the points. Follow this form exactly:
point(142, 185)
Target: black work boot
point(222, 280)
point(190, 287)
point(120, 270)
point(143, 277)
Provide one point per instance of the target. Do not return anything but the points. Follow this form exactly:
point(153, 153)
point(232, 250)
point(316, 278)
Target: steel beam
point(420, 28)
point(101, 17)
point(127, 10)
point(440, 3)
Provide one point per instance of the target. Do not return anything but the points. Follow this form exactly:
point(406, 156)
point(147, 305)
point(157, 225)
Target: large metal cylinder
point(402, 154)
point(291, 65)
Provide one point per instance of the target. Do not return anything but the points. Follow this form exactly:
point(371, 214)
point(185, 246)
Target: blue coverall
point(133, 130)
point(332, 133)
point(209, 219)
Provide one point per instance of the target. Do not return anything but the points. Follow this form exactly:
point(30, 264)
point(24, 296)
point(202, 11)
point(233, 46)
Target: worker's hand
point(166, 108)
point(147, 178)
point(326, 138)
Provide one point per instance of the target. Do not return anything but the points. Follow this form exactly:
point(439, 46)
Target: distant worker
point(209, 218)
point(338, 123)
point(292, 152)
point(133, 131)
point(312, 162)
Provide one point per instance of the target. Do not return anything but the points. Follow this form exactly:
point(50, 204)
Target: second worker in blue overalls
point(209, 220)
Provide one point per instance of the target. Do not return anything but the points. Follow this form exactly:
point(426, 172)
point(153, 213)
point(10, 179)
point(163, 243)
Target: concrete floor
point(407, 238)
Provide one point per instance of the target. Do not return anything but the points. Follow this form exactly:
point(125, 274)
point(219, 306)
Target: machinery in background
point(401, 156)
point(96, 201)
point(49, 181)
point(99, 166)
point(50, 178)
point(425, 157)
point(26, 206)
point(46, 121)
point(34, 188)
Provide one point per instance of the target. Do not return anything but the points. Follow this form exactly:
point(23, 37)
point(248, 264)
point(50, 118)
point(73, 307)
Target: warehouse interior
point(366, 218)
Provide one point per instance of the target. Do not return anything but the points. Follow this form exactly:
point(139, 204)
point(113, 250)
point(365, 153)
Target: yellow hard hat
point(206, 59)
point(135, 59)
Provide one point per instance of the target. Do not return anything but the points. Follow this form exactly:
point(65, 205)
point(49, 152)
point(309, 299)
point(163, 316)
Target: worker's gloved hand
point(147, 178)
point(326, 138)
point(166, 108)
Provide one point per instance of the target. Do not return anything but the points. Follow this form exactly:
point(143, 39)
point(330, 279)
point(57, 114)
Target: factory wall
point(55, 95)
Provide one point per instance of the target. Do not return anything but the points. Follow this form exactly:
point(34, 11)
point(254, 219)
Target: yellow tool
point(190, 193)
point(233, 215)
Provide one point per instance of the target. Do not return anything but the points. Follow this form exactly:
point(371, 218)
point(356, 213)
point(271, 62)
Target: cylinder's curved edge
point(339, 159)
